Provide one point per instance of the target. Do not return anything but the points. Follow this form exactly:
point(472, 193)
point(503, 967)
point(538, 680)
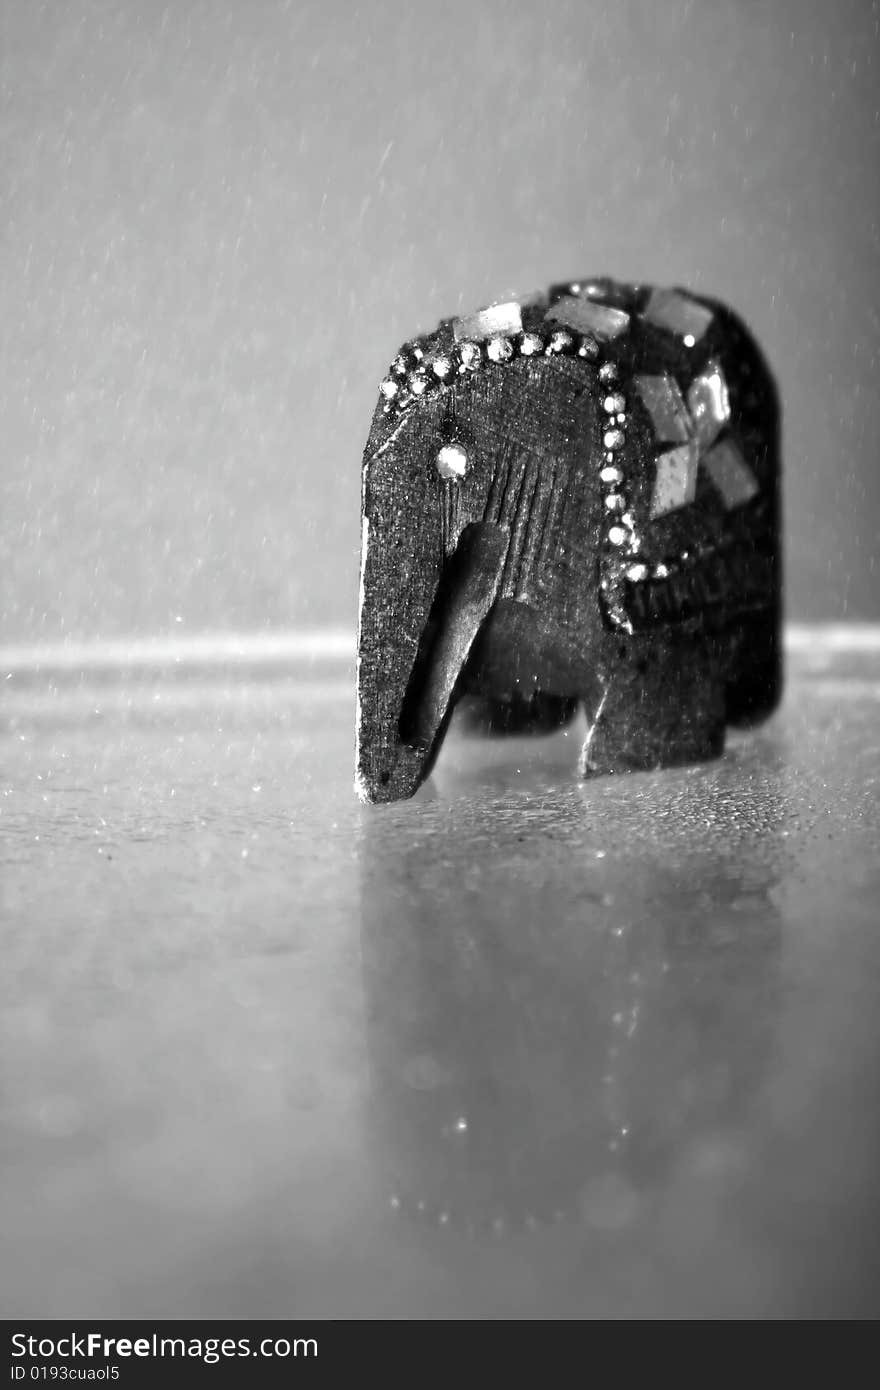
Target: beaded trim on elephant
point(416, 370)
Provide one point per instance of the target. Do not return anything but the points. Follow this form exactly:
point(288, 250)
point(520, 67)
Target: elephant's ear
point(700, 474)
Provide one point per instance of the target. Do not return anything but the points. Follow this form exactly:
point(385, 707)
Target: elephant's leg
point(665, 708)
point(754, 676)
point(541, 714)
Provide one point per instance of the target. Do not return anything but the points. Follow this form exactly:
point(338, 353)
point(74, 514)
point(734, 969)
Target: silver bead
point(451, 461)
point(499, 349)
point(561, 341)
point(441, 367)
point(531, 345)
point(470, 356)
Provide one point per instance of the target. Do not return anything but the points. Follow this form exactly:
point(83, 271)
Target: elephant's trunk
point(464, 598)
point(412, 717)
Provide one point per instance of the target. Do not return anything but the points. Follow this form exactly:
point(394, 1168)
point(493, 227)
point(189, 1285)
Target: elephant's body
point(574, 498)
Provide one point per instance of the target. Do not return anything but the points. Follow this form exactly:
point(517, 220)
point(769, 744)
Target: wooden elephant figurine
point(569, 498)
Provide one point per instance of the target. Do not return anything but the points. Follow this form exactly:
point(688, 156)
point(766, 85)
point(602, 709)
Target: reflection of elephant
point(571, 498)
point(547, 1039)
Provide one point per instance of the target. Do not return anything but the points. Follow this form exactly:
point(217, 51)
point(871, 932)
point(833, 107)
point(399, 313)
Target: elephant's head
point(479, 507)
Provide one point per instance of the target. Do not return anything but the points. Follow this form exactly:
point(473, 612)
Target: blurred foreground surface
point(523, 1047)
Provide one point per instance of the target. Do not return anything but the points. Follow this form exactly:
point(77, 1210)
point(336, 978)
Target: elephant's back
point(699, 469)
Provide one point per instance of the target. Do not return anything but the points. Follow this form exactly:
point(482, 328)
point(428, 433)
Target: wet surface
point(521, 1047)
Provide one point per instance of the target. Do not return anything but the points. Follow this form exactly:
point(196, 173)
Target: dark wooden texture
point(701, 648)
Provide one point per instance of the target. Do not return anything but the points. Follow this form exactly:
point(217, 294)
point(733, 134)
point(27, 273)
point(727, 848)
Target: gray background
point(219, 220)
